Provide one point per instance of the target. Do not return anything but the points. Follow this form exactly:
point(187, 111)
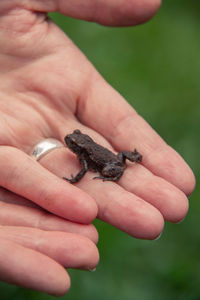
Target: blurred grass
point(156, 67)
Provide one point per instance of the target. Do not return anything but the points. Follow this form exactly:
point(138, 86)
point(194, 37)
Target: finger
point(126, 130)
point(107, 12)
point(168, 199)
point(24, 176)
point(31, 269)
point(116, 206)
point(124, 210)
point(68, 249)
point(18, 215)
point(12, 198)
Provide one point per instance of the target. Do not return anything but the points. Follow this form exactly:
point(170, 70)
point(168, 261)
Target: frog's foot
point(80, 175)
point(134, 156)
point(107, 178)
point(71, 180)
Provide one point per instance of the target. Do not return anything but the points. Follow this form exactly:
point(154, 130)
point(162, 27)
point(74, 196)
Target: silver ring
point(45, 146)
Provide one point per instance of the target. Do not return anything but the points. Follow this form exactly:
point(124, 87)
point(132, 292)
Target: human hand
point(35, 246)
point(48, 89)
point(34, 243)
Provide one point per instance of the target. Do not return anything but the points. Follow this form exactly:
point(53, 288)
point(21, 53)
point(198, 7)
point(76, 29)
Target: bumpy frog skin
point(96, 158)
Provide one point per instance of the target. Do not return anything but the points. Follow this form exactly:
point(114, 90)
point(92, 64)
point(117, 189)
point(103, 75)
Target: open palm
point(48, 88)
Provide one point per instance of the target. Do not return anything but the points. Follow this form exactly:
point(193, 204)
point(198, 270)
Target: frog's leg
point(134, 156)
point(80, 174)
point(111, 172)
point(108, 178)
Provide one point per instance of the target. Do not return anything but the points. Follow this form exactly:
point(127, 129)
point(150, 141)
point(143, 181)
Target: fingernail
point(91, 270)
point(54, 295)
point(158, 237)
point(181, 221)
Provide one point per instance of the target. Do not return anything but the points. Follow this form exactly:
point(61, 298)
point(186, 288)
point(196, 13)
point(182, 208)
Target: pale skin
point(47, 89)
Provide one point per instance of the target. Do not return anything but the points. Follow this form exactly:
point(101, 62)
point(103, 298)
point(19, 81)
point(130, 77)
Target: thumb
point(106, 12)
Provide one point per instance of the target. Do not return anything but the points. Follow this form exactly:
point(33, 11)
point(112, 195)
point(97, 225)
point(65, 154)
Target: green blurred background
point(156, 67)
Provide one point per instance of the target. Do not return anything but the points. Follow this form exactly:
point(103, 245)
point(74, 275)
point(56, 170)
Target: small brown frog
point(96, 158)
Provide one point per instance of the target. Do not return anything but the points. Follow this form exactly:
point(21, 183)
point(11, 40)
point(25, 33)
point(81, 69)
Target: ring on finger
point(45, 146)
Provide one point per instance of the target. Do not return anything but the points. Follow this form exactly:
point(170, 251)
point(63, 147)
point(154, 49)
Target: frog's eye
point(77, 131)
point(82, 143)
point(87, 138)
